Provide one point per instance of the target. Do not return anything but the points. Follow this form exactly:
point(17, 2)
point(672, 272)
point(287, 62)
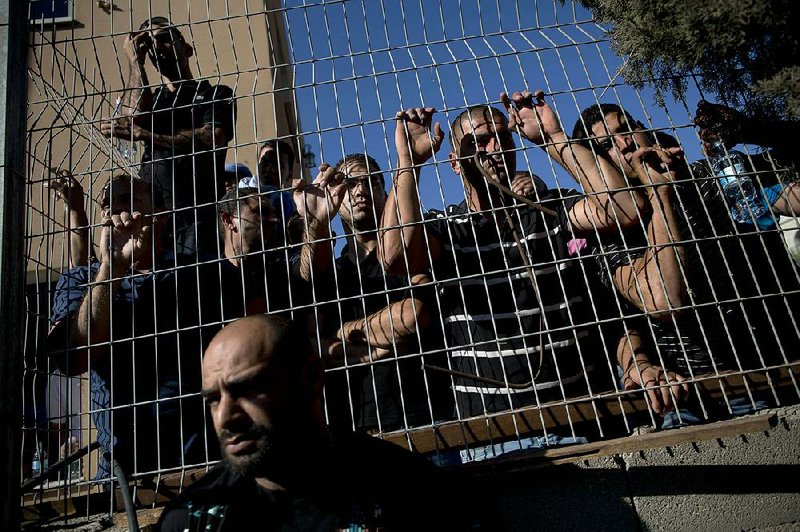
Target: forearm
point(601, 181)
point(92, 320)
point(667, 251)
point(630, 351)
point(78, 238)
point(137, 98)
point(401, 233)
point(316, 254)
point(788, 203)
point(394, 324)
point(655, 283)
point(186, 141)
point(779, 135)
point(334, 352)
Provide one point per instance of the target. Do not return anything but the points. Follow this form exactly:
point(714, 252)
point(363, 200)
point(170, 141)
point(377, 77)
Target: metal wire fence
point(526, 285)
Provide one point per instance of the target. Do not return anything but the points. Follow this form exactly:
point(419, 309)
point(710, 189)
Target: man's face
point(486, 132)
point(619, 140)
point(257, 224)
point(121, 196)
point(273, 170)
point(255, 406)
point(169, 53)
point(364, 200)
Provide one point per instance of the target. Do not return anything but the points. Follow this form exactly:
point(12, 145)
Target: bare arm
point(317, 204)
point(203, 138)
point(382, 331)
point(612, 205)
point(125, 238)
point(66, 188)
point(137, 98)
point(401, 234)
point(654, 282)
point(788, 203)
point(664, 388)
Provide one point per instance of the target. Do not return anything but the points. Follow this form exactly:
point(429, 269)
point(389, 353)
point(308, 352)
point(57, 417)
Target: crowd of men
point(518, 296)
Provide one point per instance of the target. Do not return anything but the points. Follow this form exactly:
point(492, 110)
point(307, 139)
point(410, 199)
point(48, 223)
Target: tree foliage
point(745, 52)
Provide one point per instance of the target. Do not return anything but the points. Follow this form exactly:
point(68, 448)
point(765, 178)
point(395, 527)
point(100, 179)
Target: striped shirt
point(520, 349)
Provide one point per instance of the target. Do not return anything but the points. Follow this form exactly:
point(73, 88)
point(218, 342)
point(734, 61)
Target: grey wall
point(743, 480)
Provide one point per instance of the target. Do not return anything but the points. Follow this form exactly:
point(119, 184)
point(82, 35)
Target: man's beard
point(256, 463)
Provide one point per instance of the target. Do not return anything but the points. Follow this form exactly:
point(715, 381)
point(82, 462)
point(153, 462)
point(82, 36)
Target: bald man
point(281, 468)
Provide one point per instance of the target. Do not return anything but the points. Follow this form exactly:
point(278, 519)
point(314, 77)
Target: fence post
point(13, 78)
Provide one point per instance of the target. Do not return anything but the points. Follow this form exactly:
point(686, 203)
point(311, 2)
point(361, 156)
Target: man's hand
point(122, 128)
point(655, 165)
point(125, 240)
point(321, 200)
point(522, 184)
point(66, 188)
point(719, 121)
point(534, 120)
point(412, 136)
point(658, 382)
point(136, 47)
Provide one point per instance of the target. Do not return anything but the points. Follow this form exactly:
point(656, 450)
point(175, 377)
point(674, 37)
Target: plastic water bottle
point(124, 147)
point(69, 447)
point(742, 194)
point(40, 463)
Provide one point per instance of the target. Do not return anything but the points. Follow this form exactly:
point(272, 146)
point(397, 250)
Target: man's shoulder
point(209, 92)
point(217, 487)
point(76, 276)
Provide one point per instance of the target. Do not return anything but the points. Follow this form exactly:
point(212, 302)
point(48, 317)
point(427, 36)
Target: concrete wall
point(746, 479)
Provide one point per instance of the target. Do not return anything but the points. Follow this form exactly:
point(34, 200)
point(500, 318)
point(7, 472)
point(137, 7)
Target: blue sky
point(357, 62)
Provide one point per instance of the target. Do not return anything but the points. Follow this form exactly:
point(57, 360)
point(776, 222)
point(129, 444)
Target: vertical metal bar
point(13, 76)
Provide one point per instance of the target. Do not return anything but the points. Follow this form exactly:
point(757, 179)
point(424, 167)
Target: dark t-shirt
point(394, 389)
point(190, 179)
point(492, 318)
point(358, 482)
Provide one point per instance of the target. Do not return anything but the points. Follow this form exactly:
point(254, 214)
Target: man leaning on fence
point(132, 325)
point(377, 322)
point(185, 126)
point(520, 324)
point(718, 294)
point(282, 469)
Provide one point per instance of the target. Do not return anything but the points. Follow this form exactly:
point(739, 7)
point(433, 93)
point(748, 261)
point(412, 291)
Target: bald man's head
point(263, 385)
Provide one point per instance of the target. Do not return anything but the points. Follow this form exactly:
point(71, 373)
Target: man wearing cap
point(185, 126)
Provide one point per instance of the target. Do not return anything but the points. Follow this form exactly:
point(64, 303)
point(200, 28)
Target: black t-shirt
point(358, 481)
point(492, 317)
point(394, 389)
point(191, 177)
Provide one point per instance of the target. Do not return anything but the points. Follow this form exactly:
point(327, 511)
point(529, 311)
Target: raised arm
point(609, 204)
point(402, 235)
point(137, 98)
point(67, 189)
point(654, 282)
point(317, 204)
point(124, 240)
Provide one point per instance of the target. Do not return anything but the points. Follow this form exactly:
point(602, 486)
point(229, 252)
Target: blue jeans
point(739, 406)
point(485, 452)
